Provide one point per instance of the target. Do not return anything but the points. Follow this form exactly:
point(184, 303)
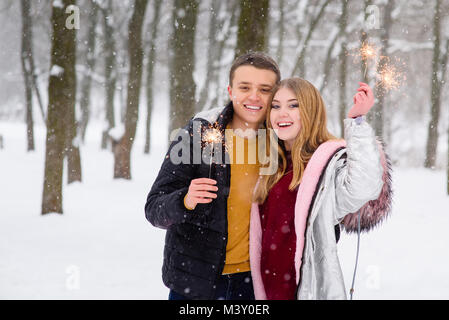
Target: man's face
point(249, 92)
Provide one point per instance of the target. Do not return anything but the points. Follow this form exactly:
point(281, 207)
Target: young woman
point(320, 182)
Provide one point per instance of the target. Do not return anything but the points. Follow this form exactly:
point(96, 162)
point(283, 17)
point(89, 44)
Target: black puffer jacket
point(195, 243)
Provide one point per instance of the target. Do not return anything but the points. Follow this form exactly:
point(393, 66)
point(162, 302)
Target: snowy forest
point(91, 89)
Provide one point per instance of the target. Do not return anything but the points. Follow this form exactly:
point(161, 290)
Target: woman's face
point(284, 116)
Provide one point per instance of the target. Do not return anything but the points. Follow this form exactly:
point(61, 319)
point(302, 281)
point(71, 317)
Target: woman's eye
point(275, 106)
point(294, 105)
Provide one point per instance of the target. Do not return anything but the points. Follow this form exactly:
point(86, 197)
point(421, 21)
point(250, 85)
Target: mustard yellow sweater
point(244, 175)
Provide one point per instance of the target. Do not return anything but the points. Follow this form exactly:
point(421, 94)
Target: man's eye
point(266, 90)
point(243, 88)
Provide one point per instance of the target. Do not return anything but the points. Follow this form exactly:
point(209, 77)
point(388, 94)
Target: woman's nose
point(283, 111)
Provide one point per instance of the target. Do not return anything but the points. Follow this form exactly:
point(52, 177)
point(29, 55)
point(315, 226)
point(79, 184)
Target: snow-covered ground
point(103, 248)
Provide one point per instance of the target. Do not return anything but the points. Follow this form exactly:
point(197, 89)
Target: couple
point(239, 235)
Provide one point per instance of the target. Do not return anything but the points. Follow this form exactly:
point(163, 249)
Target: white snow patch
point(56, 70)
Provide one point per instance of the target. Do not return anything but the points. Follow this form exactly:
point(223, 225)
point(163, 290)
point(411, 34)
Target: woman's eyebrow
point(274, 100)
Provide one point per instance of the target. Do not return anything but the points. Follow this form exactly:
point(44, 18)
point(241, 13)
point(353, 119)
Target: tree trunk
point(211, 54)
point(72, 141)
point(364, 63)
point(435, 102)
point(182, 64)
point(281, 36)
point(378, 112)
point(110, 72)
point(61, 98)
point(150, 71)
point(231, 12)
point(253, 25)
point(25, 56)
point(299, 68)
point(122, 149)
point(90, 66)
point(343, 65)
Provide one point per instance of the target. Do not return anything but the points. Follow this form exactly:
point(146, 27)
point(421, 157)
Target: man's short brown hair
point(259, 60)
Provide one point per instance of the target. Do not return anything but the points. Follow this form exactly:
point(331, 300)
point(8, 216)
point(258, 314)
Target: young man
point(206, 254)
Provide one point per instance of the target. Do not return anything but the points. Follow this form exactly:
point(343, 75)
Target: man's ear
point(230, 92)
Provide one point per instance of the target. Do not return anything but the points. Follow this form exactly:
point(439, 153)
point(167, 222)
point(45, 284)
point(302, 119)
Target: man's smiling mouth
point(252, 107)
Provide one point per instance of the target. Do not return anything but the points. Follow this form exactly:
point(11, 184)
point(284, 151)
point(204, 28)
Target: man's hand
point(363, 101)
point(200, 192)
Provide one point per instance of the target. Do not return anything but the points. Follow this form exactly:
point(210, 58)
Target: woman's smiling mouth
point(284, 124)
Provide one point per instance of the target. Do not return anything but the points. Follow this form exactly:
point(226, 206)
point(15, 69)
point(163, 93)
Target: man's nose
point(254, 95)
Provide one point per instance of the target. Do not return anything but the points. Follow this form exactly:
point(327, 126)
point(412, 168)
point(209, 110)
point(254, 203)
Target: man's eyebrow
point(262, 85)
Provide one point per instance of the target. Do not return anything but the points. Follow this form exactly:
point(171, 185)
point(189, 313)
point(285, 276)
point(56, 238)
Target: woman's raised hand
point(363, 101)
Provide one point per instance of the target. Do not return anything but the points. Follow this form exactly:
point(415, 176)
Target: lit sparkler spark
point(389, 77)
point(211, 137)
point(368, 51)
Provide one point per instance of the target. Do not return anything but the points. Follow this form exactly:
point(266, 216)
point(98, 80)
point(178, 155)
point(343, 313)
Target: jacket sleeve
point(358, 177)
point(165, 201)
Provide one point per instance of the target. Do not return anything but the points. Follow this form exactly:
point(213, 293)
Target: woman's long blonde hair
point(313, 132)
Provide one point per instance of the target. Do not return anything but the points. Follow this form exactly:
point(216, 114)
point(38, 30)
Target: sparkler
point(368, 51)
point(388, 73)
point(211, 137)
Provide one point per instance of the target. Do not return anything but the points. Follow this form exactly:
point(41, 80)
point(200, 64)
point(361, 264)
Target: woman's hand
point(199, 192)
point(363, 101)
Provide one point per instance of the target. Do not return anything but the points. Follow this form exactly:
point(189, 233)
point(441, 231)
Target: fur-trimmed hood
point(374, 212)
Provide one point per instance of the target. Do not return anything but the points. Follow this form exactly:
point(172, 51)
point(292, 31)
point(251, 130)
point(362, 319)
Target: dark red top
point(277, 215)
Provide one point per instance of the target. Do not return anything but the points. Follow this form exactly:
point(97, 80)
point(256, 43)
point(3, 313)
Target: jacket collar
point(217, 117)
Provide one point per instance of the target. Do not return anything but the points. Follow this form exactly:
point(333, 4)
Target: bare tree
point(182, 63)
point(343, 22)
point(364, 39)
point(122, 148)
point(110, 68)
point(227, 23)
point(253, 24)
point(90, 57)
point(281, 34)
point(25, 57)
point(61, 100)
point(378, 114)
point(439, 62)
point(214, 28)
point(308, 30)
point(150, 70)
